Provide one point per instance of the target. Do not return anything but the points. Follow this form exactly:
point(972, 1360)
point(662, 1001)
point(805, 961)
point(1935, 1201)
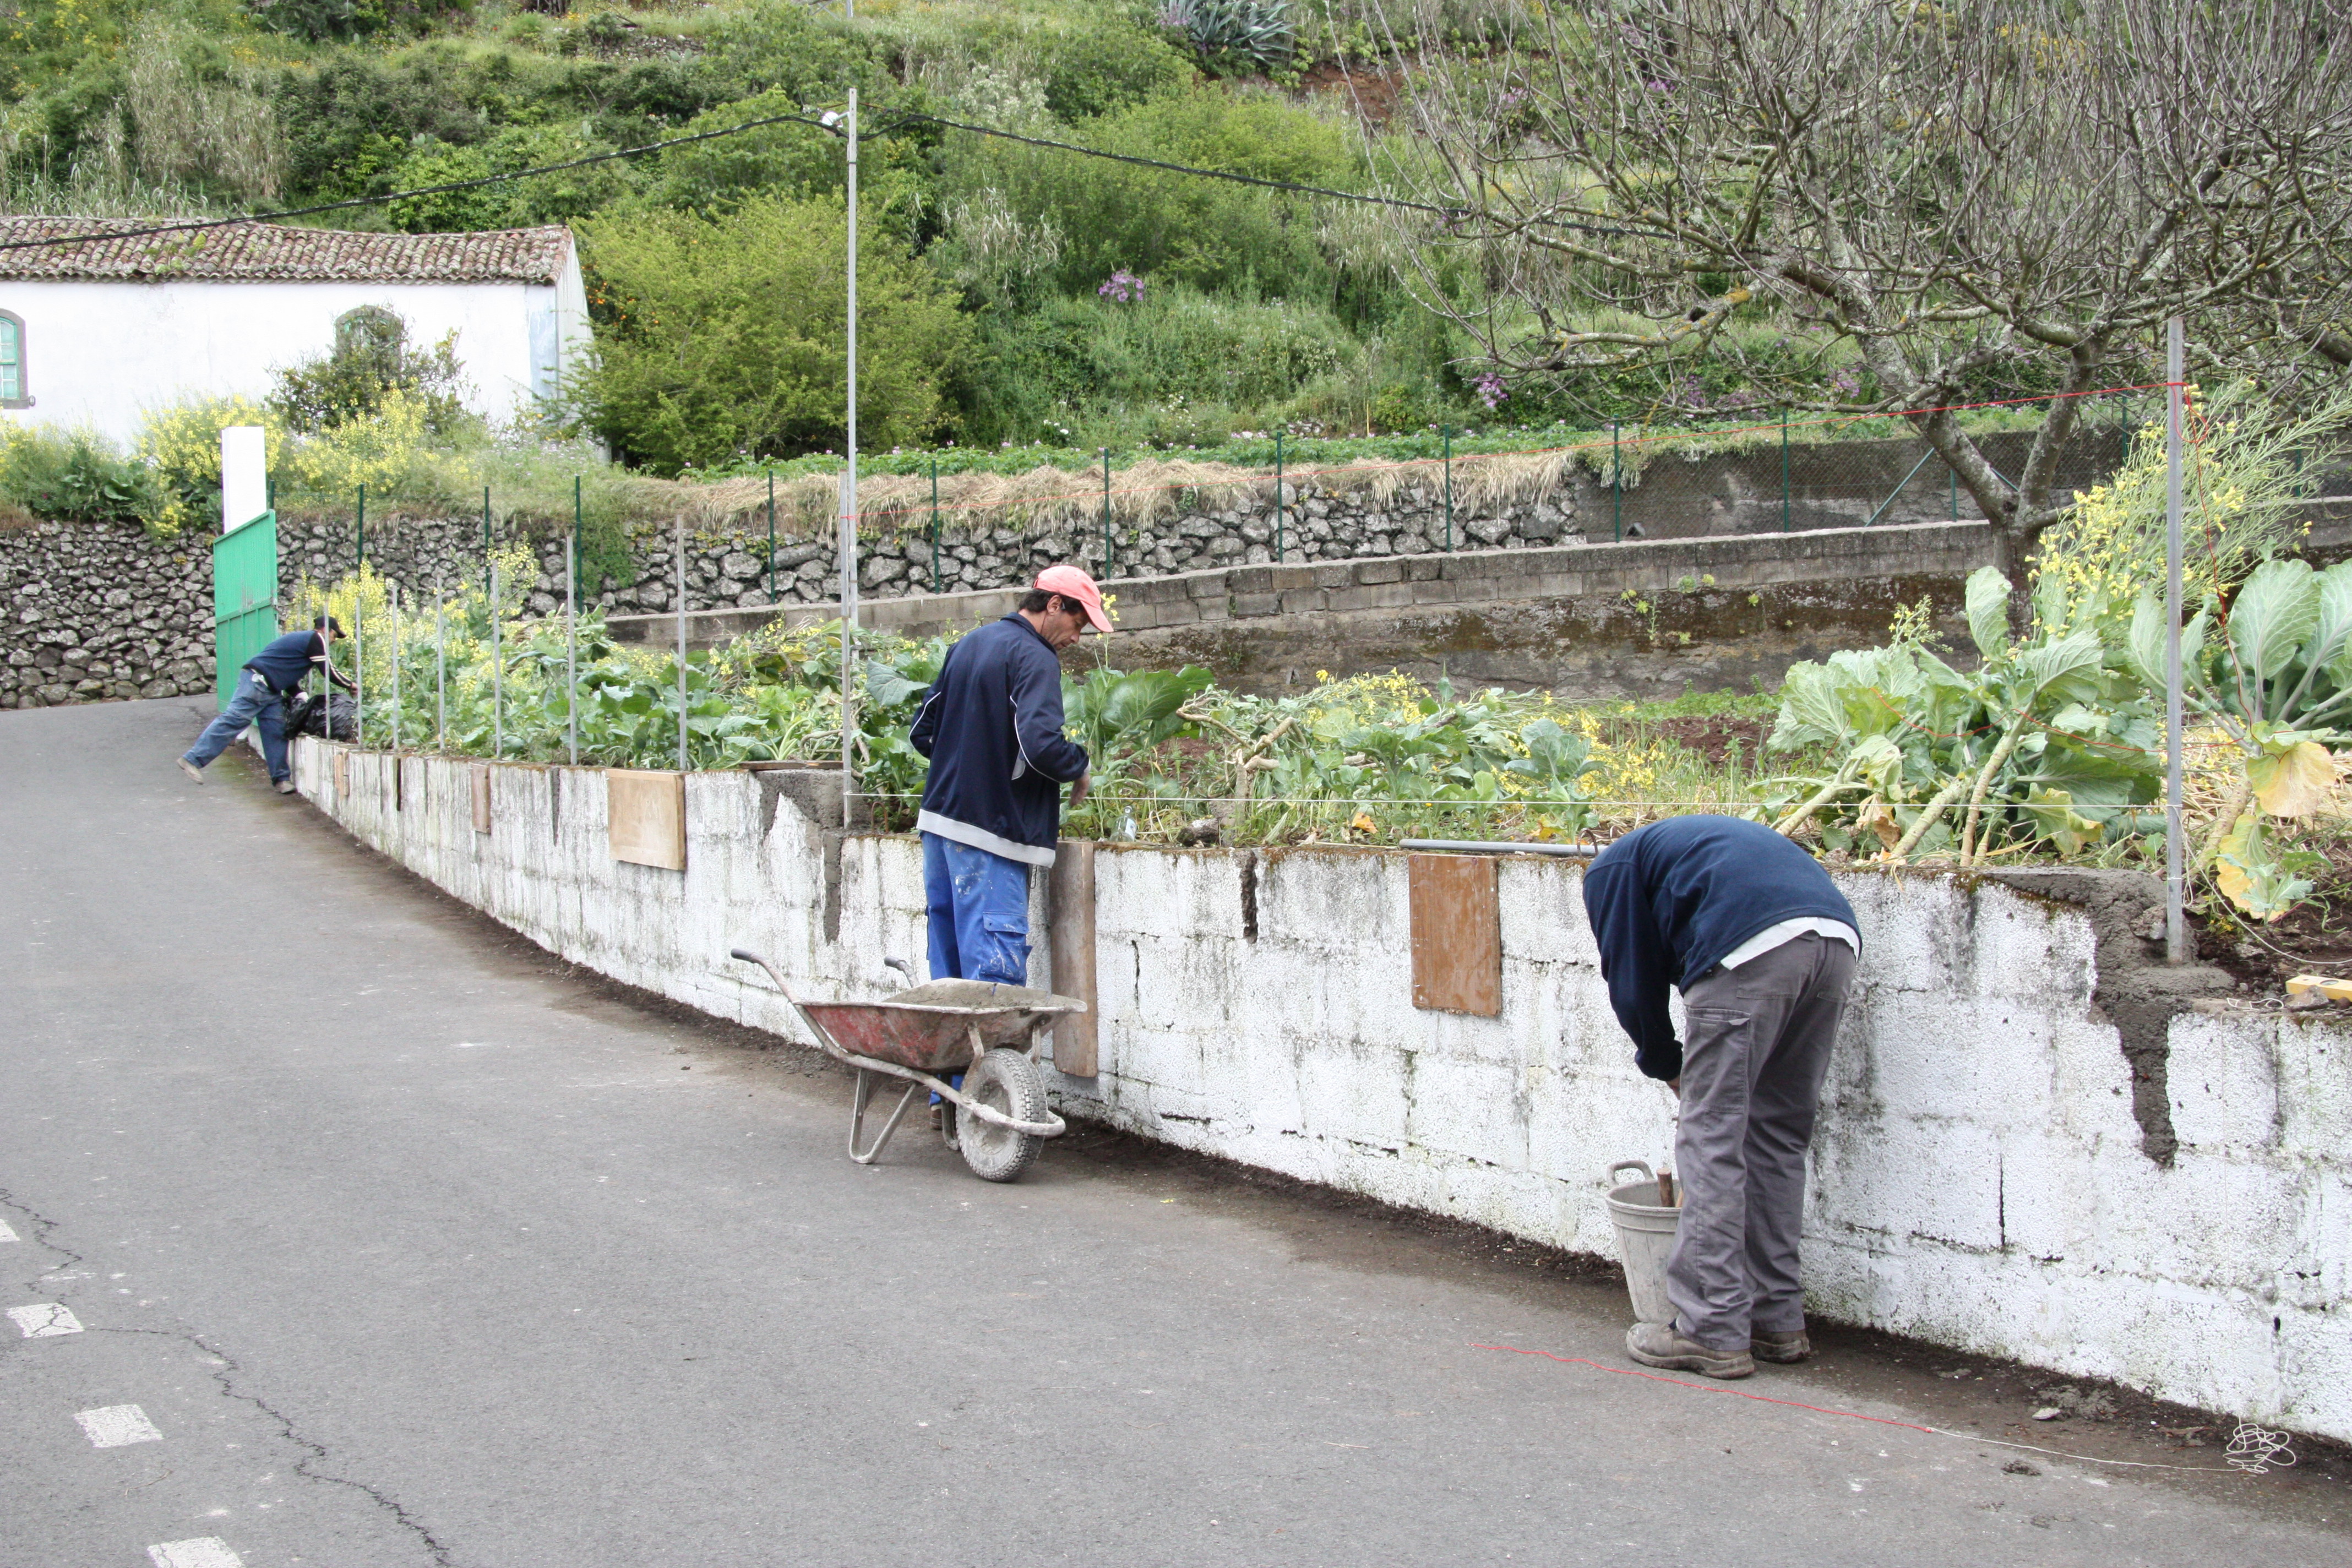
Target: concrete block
point(1297, 601)
point(1389, 571)
point(1256, 604)
point(2223, 1085)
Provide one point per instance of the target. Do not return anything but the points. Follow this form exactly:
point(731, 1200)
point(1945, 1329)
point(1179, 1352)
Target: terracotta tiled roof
point(259, 252)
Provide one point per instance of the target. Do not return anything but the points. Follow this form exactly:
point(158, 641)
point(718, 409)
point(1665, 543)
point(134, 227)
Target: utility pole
point(849, 494)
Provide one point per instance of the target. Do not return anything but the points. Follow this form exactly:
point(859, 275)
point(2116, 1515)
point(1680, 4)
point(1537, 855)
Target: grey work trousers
point(1756, 1047)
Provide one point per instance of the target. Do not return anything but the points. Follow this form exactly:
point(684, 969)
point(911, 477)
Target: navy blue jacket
point(1668, 901)
point(284, 661)
point(992, 725)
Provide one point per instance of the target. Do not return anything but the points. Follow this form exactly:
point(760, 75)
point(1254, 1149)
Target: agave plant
point(1257, 31)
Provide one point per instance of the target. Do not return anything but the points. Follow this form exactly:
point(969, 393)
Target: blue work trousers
point(255, 704)
point(979, 909)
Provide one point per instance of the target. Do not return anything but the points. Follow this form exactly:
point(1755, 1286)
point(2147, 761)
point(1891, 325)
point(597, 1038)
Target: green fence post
point(1616, 487)
point(486, 527)
point(1784, 467)
point(572, 554)
point(359, 547)
point(772, 536)
point(935, 522)
point(1105, 461)
point(1278, 498)
point(1445, 433)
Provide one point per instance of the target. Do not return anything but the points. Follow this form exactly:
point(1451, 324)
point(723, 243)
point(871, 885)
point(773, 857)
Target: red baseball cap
point(1072, 583)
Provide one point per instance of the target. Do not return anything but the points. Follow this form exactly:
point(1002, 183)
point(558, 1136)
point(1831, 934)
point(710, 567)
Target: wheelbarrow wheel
point(1006, 1081)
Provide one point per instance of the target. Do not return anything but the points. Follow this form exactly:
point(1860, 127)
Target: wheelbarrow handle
point(747, 957)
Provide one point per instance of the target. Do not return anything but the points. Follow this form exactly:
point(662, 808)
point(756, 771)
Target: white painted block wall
point(1979, 1180)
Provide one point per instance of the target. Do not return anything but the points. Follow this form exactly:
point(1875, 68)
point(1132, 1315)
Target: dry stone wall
point(95, 611)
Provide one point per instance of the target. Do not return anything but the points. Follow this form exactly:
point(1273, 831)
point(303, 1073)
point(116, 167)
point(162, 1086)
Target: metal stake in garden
point(395, 591)
point(497, 672)
point(2176, 354)
point(681, 642)
point(849, 496)
point(440, 672)
point(572, 647)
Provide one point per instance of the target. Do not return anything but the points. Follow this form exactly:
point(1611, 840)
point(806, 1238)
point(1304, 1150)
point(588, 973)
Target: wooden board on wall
point(1070, 911)
point(481, 787)
point(1457, 934)
point(646, 816)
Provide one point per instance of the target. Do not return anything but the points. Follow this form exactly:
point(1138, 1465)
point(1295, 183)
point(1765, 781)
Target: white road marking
point(43, 1319)
point(113, 1426)
point(210, 1552)
point(5, 1234)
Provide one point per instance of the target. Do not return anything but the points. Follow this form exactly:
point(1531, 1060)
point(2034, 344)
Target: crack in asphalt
point(224, 1371)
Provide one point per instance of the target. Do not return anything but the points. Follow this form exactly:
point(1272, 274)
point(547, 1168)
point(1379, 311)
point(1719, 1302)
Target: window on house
point(369, 327)
point(12, 362)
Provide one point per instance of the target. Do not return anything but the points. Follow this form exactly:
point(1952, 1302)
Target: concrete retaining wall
point(1982, 1178)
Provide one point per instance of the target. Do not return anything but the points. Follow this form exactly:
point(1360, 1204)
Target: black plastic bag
point(305, 715)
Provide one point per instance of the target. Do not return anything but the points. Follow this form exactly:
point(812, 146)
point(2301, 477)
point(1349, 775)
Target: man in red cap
point(992, 726)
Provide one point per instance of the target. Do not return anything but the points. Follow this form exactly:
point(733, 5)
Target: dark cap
point(327, 624)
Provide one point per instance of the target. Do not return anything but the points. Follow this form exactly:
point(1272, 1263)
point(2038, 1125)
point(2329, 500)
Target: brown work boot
point(1786, 1346)
point(1662, 1345)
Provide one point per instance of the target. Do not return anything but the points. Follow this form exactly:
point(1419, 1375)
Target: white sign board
point(244, 476)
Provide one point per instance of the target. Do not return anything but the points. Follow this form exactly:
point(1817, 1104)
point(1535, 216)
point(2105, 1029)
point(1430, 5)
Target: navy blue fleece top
point(992, 726)
point(1668, 901)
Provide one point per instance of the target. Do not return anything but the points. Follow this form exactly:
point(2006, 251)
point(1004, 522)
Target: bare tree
point(1937, 191)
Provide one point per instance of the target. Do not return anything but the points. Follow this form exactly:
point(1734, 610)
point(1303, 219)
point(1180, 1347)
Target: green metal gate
point(244, 598)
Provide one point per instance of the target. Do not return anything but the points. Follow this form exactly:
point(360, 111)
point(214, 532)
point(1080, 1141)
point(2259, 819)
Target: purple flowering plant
point(1122, 288)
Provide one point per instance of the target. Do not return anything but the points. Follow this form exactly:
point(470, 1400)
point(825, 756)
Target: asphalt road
point(413, 1246)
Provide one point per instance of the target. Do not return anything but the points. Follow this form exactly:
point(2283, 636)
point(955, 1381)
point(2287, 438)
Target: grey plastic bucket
point(1645, 1236)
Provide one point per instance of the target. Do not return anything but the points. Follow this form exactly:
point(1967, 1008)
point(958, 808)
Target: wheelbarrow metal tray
point(929, 1027)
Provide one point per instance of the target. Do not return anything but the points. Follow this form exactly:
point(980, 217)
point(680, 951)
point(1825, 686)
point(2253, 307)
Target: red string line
point(1711, 1388)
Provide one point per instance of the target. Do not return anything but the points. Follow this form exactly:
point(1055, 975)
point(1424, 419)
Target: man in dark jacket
point(1763, 945)
point(992, 726)
point(267, 678)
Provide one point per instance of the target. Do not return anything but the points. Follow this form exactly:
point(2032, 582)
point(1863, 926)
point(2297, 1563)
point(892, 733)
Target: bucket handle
point(1641, 1165)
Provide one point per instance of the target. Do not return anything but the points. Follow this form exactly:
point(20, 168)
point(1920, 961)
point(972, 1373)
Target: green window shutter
point(12, 362)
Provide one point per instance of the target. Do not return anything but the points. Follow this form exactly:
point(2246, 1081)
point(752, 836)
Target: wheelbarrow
point(989, 1032)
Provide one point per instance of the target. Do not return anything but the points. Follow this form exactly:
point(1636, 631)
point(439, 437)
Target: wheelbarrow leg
point(857, 1118)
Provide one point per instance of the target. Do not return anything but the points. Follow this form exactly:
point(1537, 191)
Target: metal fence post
point(359, 548)
point(1445, 433)
point(1784, 467)
point(572, 647)
point(486, 525)
point(935, 522)
point(1616, 487)
point(497, 672)
point(440, 673)
point(1278, 498)
point(681, 642)
point(772, 536)
point(394, 589)
point(1106, 511)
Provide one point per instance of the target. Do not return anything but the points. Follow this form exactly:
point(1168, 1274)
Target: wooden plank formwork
point(646, 816)
point(1070, 911)
point(1457, 934)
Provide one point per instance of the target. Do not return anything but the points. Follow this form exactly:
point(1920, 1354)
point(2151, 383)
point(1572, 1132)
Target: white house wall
point(101, 354)
point(1979, 1179)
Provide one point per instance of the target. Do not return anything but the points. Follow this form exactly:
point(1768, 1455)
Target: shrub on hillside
point(1103, 68)
point(723, 337)
point(1177, 228)
point(1197, 359)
